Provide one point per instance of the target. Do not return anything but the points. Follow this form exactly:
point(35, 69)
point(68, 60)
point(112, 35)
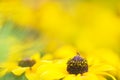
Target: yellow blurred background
point(29, 26)
point(84, 24)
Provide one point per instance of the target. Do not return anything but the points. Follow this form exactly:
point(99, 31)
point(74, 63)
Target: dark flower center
point(26, 63)
point(77, 65)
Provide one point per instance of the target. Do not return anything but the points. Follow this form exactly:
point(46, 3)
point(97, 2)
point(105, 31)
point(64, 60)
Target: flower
point(28, 66)
point(77, 68)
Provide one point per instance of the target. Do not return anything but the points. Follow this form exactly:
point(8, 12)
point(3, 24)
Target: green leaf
point(11, 76)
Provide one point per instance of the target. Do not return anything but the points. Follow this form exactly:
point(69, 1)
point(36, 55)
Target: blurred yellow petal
point(47, 56)
point(108, 75)
point(65, 52)
point(18, 71)
point(31, 74)
point(36, 56)
point(2, 71)
point(101, 67)
point(107, 56)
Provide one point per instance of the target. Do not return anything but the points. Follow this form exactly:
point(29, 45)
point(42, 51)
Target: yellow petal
point(51, 75)
point(49, 71)
point(36, 56)
point(101, 68)
point(89, 76)
point(31, 75)
point(70, 77)
point(109, 75)
point(18, 71)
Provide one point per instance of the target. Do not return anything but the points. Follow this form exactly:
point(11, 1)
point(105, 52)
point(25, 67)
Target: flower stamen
point(77, 65)
point(26, 63)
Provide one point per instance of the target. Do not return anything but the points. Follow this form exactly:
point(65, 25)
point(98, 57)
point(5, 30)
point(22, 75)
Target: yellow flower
point(28, 66)
point(95, 56)
point(76, 68)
